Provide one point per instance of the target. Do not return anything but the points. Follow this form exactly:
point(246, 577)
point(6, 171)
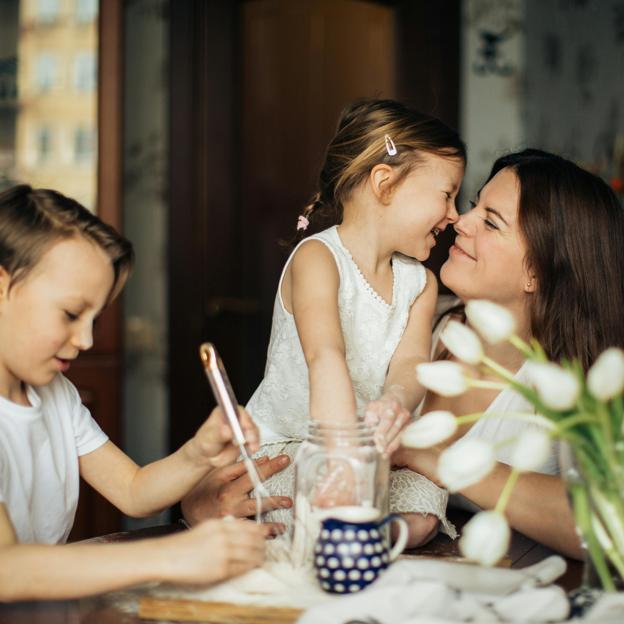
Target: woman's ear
point(530, 285)
point(381, 180)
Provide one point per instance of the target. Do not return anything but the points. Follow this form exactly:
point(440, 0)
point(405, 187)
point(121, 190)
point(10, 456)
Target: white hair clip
point(390, 146)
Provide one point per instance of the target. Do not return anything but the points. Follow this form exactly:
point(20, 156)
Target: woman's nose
point(465, 224)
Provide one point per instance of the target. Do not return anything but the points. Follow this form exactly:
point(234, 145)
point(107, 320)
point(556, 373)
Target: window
point(84, 148)
point(45, 72)
point(47, 11)
point(86, 11)
point(84, 72)
point(44, 144)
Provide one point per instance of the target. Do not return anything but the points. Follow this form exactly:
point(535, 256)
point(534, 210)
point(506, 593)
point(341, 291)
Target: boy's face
point(47, 319)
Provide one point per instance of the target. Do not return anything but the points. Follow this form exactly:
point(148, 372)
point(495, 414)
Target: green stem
point(522, 346)
point(503, 499)
point(494, 366)
point(583, 520)
point(572, 421)
point(482, 383)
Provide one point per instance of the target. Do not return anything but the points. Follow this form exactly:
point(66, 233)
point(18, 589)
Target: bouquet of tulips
point(585, 412)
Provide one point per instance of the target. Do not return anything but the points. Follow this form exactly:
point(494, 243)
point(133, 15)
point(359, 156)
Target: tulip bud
point(557, 388)
point(492, 321)
point(431, 428)
point(605, 378)
point(444, 378)
point(462, 342)
point(531, 450)
point(485, 538)
point(464, 463)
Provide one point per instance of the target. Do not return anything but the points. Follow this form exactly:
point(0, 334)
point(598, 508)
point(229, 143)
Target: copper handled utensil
point(222, 389)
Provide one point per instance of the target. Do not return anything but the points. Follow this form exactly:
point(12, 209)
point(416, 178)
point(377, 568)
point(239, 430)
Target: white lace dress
point(372, 329)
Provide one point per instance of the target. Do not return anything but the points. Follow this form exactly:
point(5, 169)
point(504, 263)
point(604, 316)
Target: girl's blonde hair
point(360, 143)
point(33, 220)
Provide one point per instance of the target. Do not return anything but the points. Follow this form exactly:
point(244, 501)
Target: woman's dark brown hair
point(32, 220)
point(359, 144)
point(573, 226)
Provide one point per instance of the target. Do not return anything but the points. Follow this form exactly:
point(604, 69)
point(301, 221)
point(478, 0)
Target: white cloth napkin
point(428, 591)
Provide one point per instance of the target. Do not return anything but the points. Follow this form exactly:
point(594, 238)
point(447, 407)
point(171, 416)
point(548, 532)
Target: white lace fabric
point(371, 327)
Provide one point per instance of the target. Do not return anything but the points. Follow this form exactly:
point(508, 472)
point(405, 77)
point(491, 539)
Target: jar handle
point(398, 547)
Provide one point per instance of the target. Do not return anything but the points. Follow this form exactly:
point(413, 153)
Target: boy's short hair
point(32, 220)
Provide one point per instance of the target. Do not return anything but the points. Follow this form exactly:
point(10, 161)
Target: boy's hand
point(388, 418)
point(214, 441)
point(213, 551)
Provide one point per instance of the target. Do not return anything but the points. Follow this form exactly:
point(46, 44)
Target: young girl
point(354, 306)
point(59, 267)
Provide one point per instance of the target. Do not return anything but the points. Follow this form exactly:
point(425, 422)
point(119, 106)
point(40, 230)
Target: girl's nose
point(83, 338)
point(464, 224)
point(452, 215)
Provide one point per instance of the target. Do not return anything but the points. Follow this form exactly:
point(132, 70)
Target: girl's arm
point(538, 506)
point(314, 282)
point(211, 552)
point(402, 393)
point(140, 492)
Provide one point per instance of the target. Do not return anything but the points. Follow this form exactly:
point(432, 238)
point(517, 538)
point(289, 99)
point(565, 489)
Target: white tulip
point(464, 463)
point(531, 450)
point(605, 378)
point(558, 388)
point(485, 538)
point(462, 342)
point(429, 429)
point(444, 378)
point(492, 321)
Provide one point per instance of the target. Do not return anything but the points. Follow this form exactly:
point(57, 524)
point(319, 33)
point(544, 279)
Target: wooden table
point(105, 609)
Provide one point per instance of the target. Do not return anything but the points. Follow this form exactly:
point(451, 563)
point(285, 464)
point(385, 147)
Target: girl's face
point(46, 320)
point(487, 259)
point(423, 204)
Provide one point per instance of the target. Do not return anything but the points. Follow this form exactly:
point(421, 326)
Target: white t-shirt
point(39, 450)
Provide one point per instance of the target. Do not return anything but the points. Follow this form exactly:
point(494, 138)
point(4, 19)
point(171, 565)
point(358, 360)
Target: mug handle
point(398, 547)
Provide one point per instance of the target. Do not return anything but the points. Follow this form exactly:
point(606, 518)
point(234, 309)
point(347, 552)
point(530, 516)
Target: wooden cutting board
point(214, 612)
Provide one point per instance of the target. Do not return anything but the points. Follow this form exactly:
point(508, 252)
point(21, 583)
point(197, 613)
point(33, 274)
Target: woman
point(546, 240)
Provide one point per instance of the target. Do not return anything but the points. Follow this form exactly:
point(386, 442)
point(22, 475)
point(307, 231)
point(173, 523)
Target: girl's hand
point(213, 443)
point(388, 418)
point(212, 551)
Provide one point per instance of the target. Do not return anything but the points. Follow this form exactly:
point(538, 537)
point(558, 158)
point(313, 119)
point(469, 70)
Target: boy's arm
point(314, 294)
point(140, 492)
point(212, 551)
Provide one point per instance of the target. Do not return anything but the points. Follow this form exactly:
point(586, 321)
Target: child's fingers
point(250, 430)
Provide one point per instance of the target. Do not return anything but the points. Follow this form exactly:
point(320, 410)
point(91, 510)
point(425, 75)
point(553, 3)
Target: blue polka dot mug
point(352, 548)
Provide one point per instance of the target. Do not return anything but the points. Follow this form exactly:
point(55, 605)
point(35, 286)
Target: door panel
point(256, 89)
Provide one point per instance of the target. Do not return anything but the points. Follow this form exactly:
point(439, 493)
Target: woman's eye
point(70, 315)
point(490, 225)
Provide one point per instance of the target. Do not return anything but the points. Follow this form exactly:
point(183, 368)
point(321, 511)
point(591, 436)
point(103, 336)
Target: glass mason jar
point(336, 466)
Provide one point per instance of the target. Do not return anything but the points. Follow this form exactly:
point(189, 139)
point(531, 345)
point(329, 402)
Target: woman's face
point(487, 259)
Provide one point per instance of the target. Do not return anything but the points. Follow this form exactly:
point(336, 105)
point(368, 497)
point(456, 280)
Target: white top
point(497, 429)
point(371, 328)
point(39, 450)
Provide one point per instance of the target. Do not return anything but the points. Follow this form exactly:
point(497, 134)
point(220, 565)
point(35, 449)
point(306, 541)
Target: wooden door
point(256, 89)
point(97, 373)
